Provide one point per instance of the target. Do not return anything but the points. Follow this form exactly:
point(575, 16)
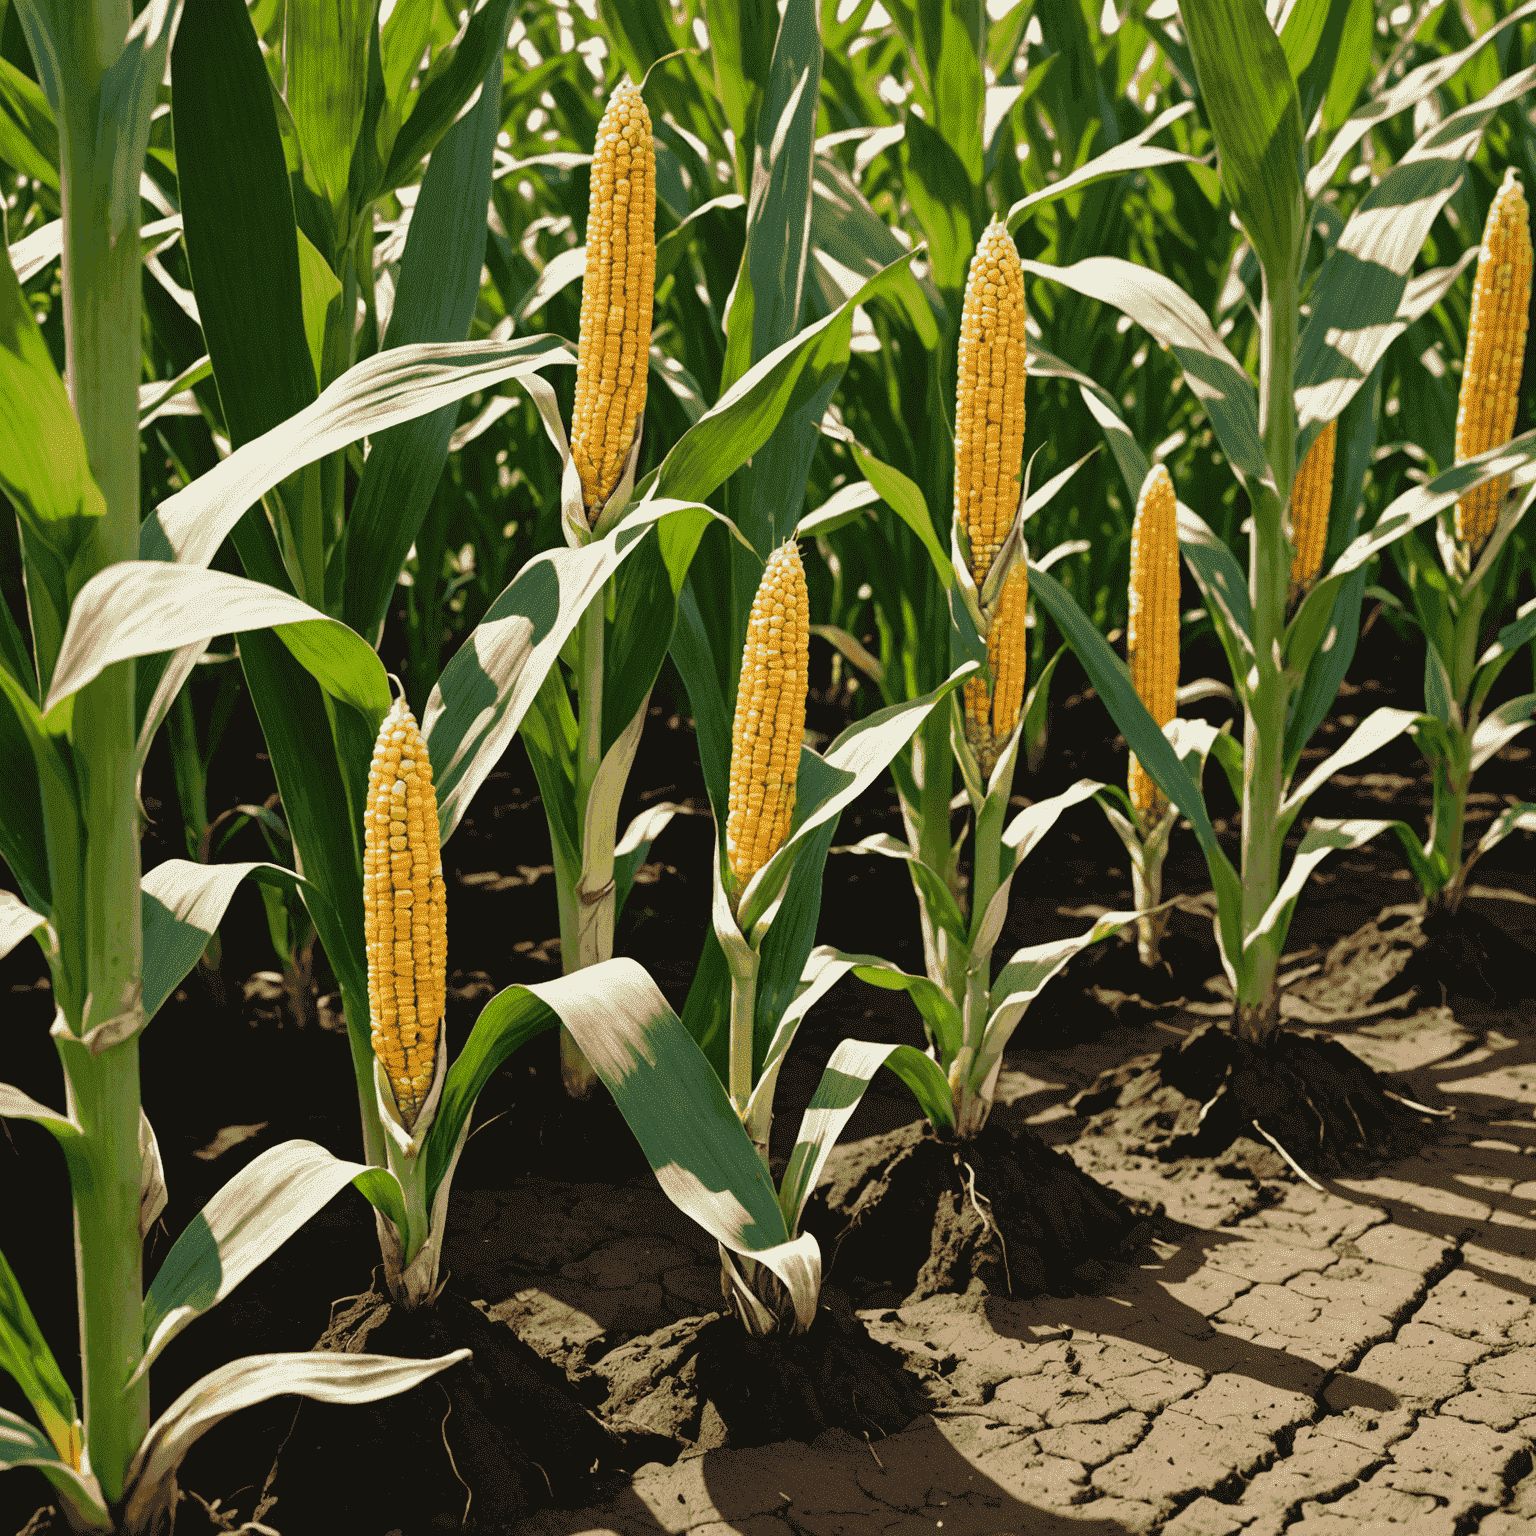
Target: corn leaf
point(1021, 981)
point(1413, 88)
point(1501, 727)
point(326, 1378)
point(1311, 37)
point(764, 308)
point(43, 467)
point(129, 92)
point(244, 1224)
point(1131, 155)
point(435, 300)
point(1359, 297)
point(240, 234)
point(1111, 678)
point(24, 1445)
point(24, 1352)
point(17, 920)
point(184, 903)
point(1172, 318)
point(842, 1085)
point(138, 607)
point(1323, 837)
point(29, 140)
point(380, 392)
point(23, 843)
point(1513, 818)
point(442, 100)
point(326, 54)
point(1250, 101)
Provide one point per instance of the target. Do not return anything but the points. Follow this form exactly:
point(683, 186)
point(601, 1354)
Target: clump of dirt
point(1325, 1107)
point(707, 1384)
point(906, 1216)
point(1106, 984)
point(490, 1439)
point(1431, 959)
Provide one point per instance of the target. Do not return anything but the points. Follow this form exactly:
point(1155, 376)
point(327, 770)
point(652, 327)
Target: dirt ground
point(1278, 1358)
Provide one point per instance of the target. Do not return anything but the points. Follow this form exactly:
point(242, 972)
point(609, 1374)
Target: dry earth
point(1359, 1359)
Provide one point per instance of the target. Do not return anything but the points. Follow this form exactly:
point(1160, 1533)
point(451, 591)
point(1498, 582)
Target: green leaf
point(245, 1223)
point(183, 904)
point(1501, 727)
point(129, 93)
point(1112, 679)
point(23, 840)
point(319, 289)
point(838, 1094)
point(240, 234)
point(382, 391)
point(22, 1445)
point(764, 310)
point(741, 41)
point(325, 50)
point(442, 100)
point(1374, 732)
point(1170, 316)
point(25, 1354)
point(1323, 837)
point(946, 204)
point(1251, 103)
point(1413, 88)
point(139, 607)
point(29, 141)
point(326, 1378)
point(906, 500)
point(435, 300)
point(1361, 298)
point(1311, 37)
point(43, 468)
point(1131, 155)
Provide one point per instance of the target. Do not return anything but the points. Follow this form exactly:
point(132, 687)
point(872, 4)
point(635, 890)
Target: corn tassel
point(616, 296)
point(770, 716)
point(1153, 630)
point(404, 910)
point(1490, 378)
point(1311, 501)
point(992, 715)
point(989, 397)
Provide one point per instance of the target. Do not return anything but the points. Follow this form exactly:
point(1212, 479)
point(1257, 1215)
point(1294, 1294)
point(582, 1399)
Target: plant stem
point(1147, 891)
point(591, 930)
point(101, 289)
point(933, 768)
point(743, 1012)
point(1268, 690)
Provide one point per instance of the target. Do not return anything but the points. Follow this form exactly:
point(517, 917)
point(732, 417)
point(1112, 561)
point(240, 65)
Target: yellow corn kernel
point(989, 397)
point(770, 716)
point(1311, 500)
point(1152, 640)
point(404, 910)
point(616, 296)
point(1490, 378)
point(992, 715)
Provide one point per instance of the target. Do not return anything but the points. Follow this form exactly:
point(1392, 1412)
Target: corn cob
point(1152, 643)
point(1490, 378)
point(616, 296)
point(404, 910)
point(1311, 500)
point(989, 397)
point(992, 714)
point(770, 716)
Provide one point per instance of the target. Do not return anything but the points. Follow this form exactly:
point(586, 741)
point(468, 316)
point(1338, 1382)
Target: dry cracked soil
point(1358, 1358)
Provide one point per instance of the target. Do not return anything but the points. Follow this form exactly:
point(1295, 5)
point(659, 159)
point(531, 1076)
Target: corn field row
point(421, 378)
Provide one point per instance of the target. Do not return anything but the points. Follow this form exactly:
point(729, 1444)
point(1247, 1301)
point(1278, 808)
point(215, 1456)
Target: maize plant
point(1464, 656)
point(69, 466)
point(706, 1133)
point(1286, 665)
point(1143, 817)
point(969, 1016)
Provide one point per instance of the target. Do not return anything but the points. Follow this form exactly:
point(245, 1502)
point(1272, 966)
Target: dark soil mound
point(486, 1441)
point(1432, 960)
point(1107, 983)
point(706, 1383)
point(1317, 1099)
point(906, 1216)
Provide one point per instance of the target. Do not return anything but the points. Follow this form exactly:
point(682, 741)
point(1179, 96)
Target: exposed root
point(1300, 1172)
